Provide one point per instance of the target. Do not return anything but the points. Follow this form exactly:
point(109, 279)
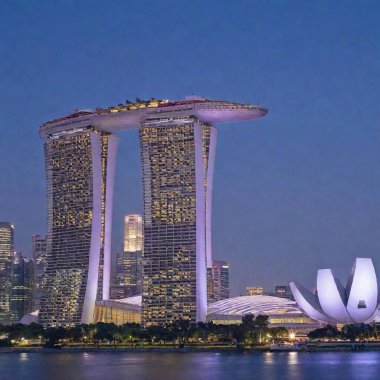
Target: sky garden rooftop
point(131, 115)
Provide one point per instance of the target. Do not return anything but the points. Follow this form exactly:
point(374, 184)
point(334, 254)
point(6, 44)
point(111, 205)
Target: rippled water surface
point(190, 366)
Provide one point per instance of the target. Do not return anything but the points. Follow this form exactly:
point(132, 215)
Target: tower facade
point(175, 159)
point(129, 262)
point(133, 233)
point(177, 141)
point(6, 262)
point(22, 287)
point(39, 261)
point(221, 274)
point(80, 173)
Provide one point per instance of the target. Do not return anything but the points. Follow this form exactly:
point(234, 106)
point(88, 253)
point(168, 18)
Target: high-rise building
point(220, 281)
point(133, 233)
point(39, 260)
point(210, 285)
point(175, 159)
point(129, 262)
point(6, 261)
point(79, 171)
point(22, 287)
point(254, 290)
point(129, 273)
point(177, 141)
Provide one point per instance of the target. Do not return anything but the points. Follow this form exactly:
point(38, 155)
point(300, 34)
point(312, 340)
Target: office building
point(6, 262)
point(129, 272)
point(22, 287)
point(39, 260)
point(133, 233)
point(219, 281)
point(129, 263)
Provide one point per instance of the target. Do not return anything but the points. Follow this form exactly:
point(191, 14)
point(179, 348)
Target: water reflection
point(269, 358)
point(24, 356)
point(190, 366)
point(292, 358)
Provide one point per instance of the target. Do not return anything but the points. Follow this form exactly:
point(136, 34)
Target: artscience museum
point(335, 304)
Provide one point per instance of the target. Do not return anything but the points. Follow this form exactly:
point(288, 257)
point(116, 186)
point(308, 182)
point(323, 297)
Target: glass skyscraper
point(39, 260)
point(133, 233)
point(6, 262)
point(22, 287)
point(221, 282)
point(129, 262)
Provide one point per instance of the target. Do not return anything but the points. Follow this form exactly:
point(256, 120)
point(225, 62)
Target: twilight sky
point(293, 192)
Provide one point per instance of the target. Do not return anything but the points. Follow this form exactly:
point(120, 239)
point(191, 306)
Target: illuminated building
point(129, 273)
point(177, 140)
point(219, 281)
point(119, 312)
point(133, 233)
point(281, 312)
point(129, 263)
point(6, 260)
point(174, 176)
point(79, 170)
point(254, 290)
point(22, 287)
point(39, 259)
point(119, 292)
point(357, 303)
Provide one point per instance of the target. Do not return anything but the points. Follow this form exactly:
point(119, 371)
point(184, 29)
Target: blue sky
point(293, 192)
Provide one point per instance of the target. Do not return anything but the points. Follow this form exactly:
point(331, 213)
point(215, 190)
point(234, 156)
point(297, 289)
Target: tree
point(249, 326)
point(180, 329)
point(158, 333)
point(360, 330)
point(33, 331)
point(261, 323)
point(237, 333)
point(106, 332)
point(53, 336)
point(327, 332)
point(278, 332)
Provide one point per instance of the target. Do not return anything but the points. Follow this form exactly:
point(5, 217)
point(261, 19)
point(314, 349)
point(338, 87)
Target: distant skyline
point(296, 191)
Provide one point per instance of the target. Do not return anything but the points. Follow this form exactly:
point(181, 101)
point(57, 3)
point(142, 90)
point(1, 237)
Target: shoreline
point(122, 349)
point(349, 347)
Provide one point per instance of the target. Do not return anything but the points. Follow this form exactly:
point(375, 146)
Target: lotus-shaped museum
point(356, 303)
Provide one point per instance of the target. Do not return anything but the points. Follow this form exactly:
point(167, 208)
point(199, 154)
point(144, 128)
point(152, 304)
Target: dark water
point(190, 366)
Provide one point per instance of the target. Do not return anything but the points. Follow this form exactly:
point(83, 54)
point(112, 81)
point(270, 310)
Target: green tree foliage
point(350, 332)
point(181, 333)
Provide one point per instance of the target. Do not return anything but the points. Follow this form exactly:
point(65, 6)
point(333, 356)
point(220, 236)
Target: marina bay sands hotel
point(177, 144)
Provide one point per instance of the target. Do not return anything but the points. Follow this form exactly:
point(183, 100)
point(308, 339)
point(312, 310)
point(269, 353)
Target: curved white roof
point(32, 317)
point(240, 306)
point(135, 300)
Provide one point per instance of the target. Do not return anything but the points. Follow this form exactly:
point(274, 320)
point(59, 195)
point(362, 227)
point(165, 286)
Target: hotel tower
point(177, 141)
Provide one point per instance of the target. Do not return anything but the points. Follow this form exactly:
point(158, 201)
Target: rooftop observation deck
point(131, 115)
